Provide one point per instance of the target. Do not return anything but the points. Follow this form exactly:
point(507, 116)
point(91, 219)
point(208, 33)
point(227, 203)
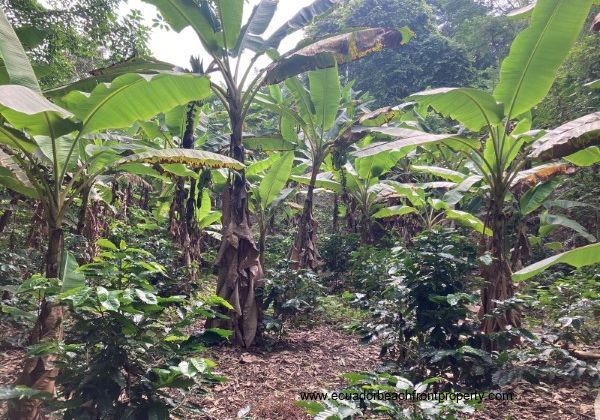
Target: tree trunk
point(304, 253)
point(38, 372)
point(498, 284)
point(240, 271)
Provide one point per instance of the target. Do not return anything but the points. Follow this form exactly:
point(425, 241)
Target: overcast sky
point(176, 48)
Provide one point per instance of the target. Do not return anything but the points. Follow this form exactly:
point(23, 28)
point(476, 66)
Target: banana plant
point(269, 191)
point(47, 151)
point(504, 118)
point(223, 35)
point(323, 112)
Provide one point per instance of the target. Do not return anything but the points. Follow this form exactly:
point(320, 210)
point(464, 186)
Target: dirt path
point(308, 360)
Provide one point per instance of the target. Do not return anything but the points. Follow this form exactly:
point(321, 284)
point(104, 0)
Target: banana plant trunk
point(240, 271)
point(38, 372)
point(498, 283)
point(304, 252)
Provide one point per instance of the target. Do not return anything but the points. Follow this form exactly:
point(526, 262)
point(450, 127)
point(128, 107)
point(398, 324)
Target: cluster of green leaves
point(127, 344)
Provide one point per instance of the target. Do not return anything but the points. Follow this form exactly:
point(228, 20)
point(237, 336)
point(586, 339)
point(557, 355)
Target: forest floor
point(312, 359)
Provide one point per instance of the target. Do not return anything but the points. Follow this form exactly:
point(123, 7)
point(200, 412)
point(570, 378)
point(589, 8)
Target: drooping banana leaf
point(134, 97)
point(568, 139)
point(14, 177)
point(28, 110)
point(304, 16)
point(558, 220)
point(535, 197)
point(324, 183)
point(394, 211)
point(338, 49)
point(530, 177)
point(141, 65)
point(468, 220)
point(580, 257)
point(471, 107)
point(407, 140)
point(189, 157)
point(448, 174)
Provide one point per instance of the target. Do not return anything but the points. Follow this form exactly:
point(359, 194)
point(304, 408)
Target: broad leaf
point(414, 193)
point(299, 21)
point(275, 179)
point(230, 16)
point(568, 139)
point(536, 196)
point(557, 220)
point(180, 14)
point(586, 157)
point(405, 140)
point(13, 177)
point(375, 165)
point(471, 107)
point(193, 158)
point(257, 24)
point(325, 95)
point(580, 257)
point(394, 211)
point(468, 220)
point(528, 72)
point(327, 184)
point(339, 49)
point(134, 97)
point(448, 174)
point(70, 277)
point(141, 65)
point(16, 62)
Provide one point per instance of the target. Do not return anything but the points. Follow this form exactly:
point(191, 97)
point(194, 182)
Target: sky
point(176, 48)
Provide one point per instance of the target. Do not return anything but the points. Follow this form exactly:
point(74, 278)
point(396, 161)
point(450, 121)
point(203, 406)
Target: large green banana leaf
point(527, 74)
point(325, 94)
point(405, 140)
point(230, 14)
point(275, 179)
point(134, 97)
point(580, 257)
point(473, 108)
